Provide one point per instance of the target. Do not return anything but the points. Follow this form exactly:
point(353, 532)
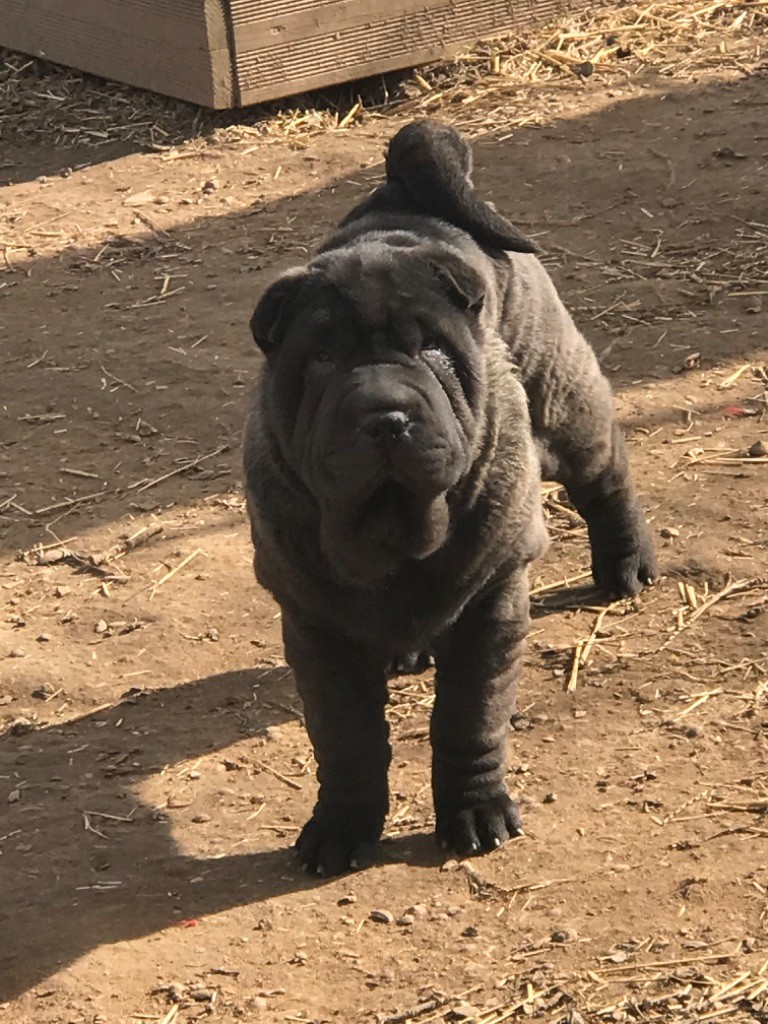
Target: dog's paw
point(623, 561)
point(480, 828)
point(624, 574)
point(334, 847)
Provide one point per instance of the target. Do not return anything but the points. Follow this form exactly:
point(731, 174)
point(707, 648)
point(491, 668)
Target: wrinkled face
point(375, 393)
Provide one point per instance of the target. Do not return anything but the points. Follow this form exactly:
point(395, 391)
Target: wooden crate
point(228, 53)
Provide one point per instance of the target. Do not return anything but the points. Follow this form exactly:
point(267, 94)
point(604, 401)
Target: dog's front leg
point(478, 663)
point(343, 688)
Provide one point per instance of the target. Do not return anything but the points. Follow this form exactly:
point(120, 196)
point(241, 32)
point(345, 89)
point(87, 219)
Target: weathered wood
point(176, 47)
point(224, 53)
point(312, 44)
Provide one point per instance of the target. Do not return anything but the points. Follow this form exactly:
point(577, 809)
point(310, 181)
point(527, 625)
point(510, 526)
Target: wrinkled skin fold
point(420, 376)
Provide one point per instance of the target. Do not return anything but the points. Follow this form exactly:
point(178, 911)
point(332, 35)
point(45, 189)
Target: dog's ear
point(270, 318)
point(463, 284)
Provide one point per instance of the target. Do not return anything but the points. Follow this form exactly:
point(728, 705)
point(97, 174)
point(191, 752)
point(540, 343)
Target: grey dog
point(421, 377)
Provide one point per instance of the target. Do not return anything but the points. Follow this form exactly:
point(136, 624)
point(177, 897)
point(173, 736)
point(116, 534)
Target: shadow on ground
point(57, 882)
point(63, 882)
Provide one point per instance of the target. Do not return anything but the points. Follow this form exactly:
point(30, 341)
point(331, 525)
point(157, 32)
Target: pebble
point(470, 932)
point(564, 935)
point(175, 992)
point(194, 775)
point(757, 450)
point(16, 652)
point(44, 638)
point(450, 865)
point(462, 1011)
point(21, 727)
point(381, 916)
point(51, 557)
point(669, 531)
point(418, 910)
point(405, 920)
point(14, 796)
point(201, 819)
point(346, 901)
point(202, 995)
point(549, 798)
point(101, 626)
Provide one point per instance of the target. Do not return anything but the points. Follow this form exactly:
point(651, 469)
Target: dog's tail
point(433, 163)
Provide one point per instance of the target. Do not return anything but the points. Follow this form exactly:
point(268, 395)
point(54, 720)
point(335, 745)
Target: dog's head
point(375, 392)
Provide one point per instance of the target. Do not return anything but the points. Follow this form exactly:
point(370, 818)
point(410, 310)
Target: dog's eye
point(322, 355)
point(435, 348)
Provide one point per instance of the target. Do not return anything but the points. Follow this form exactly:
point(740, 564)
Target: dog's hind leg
point(411, 664)
point(580, 443)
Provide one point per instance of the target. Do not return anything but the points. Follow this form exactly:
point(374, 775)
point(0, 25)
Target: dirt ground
point(154, 769)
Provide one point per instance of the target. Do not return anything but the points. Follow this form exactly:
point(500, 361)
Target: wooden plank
point(222, 70)
point(138, 19)
point(176, 47)
point(322, 19)
point(379, 42)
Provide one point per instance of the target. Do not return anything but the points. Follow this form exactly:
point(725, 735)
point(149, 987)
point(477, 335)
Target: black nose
point(385, 427)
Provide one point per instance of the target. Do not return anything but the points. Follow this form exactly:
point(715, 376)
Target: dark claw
point(333, 848)
point(481, 828)
point(624, 575)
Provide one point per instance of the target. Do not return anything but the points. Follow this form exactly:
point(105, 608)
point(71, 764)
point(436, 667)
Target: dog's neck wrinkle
point(465, 495)
point(378, 217)
point(291, 481)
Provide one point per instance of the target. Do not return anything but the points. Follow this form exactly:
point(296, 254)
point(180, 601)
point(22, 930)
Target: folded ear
point(461, 282)
point(272, 314)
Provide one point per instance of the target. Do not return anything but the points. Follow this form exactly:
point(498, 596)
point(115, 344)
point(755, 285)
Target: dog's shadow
point(64, 891)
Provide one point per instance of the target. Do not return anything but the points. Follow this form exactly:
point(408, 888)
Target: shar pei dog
point(421, 376)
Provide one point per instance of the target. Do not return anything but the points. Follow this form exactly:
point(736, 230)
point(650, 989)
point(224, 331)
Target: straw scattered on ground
point(42, 102)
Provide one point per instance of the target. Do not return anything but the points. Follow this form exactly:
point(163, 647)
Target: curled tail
point(432, 163)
